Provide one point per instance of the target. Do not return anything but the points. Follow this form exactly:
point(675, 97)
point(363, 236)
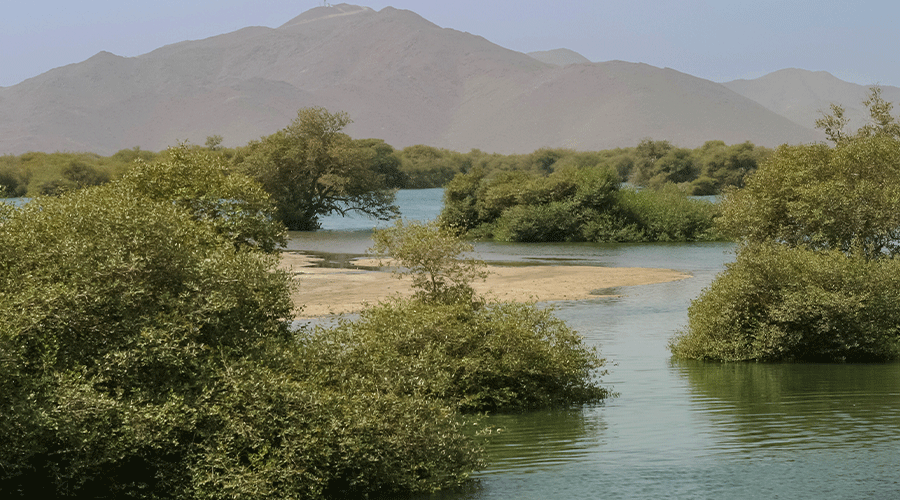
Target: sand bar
point(326, 291)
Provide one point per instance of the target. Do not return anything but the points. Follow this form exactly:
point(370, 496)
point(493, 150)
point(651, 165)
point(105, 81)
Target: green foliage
point(83, 175)
point(813, 196)
point(881, 122)
point(706, 170)
point(311, 169)
point(497, 357)
point(77, 174)
point(201, 184)
point(651, 164)
point(834, 124)
point(428, 167)
point(146, 351)
point(647, 153)
point(444, 345)
point(674, 166)
point(503, 192)
point(460, 197)
point(214, 142)
point(572, 204)
point(383, 160)
point(595, 188)
point(816, 272)
point(553, 221)
point(432, 255)
point(544, 159)
point(667, 215)
point(12, 181)
point(295, 422)
point(112, 308)
point(702, 171)
point(34, 173)
point(777, 303)
point(128, 156)
point(722, 166)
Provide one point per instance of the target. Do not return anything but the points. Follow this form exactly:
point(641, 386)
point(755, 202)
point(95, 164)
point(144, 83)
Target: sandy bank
point(333, 291)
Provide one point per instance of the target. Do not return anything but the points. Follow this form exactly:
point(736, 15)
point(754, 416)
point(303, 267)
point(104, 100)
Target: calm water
point(677, 429)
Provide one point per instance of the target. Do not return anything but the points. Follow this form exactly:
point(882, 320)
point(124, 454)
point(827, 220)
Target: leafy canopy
point(816, 272)
point(146, 351)
point(311, 169)
point(880, 123)
point(487, 357)
point(573, 203)
point(202, 184)
point(777, 303)
point(844, 197)
point(432, 255)
point(117, 314)
point(476, 355)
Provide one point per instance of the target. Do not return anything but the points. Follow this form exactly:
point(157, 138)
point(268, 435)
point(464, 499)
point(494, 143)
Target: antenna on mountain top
point(326, 4)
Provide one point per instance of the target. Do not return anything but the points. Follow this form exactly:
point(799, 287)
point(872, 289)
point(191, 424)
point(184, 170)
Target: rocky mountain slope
point(802, 96)
point(400, 78)
point(559, 57)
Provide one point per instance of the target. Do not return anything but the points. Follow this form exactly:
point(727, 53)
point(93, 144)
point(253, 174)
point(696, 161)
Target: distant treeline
point(702, 171)
point(33, 174)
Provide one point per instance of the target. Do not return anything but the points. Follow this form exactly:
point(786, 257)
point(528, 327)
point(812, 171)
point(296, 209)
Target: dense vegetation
point(702, 171)
point(816, 275)
point(146, 351)
point(572, 204)
point(486, 357)
point(33, 174)
point(311, 169)
point(447, 342)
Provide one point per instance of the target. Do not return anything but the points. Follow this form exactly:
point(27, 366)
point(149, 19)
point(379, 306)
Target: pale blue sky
point(718, 40)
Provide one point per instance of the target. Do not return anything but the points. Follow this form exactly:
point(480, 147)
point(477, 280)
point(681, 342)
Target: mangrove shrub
point(572, 204)
point(445, 343)
point(311, 169)
point(146, 351)
point(781, 304)
point(815, 276)
point(433, 256)
point(490, 357)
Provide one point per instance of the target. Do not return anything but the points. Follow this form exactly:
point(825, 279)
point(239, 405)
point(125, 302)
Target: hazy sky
point(718, 40)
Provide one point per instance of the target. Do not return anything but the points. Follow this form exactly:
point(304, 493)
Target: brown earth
point(324, 291)
point(400, 78)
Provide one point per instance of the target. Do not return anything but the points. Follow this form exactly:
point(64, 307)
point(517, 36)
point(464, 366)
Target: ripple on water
point(678, 429)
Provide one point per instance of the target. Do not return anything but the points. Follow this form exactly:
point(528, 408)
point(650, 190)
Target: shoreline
point(330, 291)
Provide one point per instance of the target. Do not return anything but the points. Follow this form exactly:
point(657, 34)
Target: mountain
point(559, 57)
point(803, 96)
point(400, 78)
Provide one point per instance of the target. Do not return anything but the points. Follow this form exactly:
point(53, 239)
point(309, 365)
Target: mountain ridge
point(400, 77)
point(804, 95)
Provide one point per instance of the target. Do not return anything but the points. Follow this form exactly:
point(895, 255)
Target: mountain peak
point(400, 77)
point(325, 12)
point(559, 57)
point(104, 55)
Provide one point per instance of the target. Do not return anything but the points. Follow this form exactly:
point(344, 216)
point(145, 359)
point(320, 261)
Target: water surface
point(677, 429)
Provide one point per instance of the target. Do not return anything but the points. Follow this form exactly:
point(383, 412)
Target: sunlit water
point(677, 429)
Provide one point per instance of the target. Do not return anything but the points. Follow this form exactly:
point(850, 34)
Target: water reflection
point(543, 439)
point(796, 406)
point(353, 243)
point(678, 429)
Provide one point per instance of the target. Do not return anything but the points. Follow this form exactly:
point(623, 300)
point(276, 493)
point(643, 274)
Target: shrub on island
point(146, 351)
point(816, 271)
point(573, 204)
